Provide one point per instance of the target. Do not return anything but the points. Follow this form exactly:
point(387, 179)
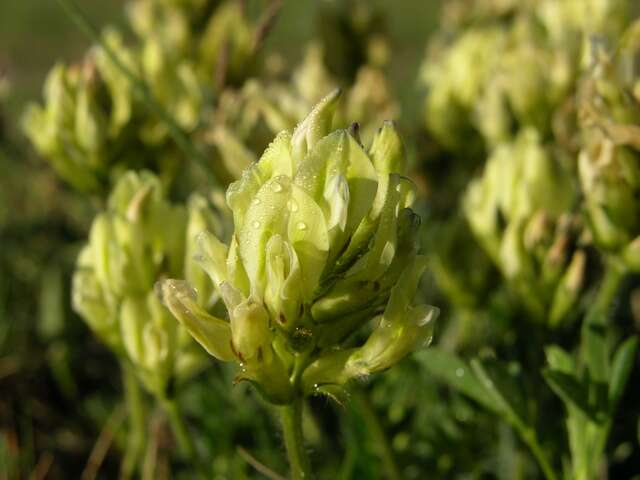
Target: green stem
point(597, 350)
point(291, 416)
point(183, 438)
point(594, 348)
point(379, 437)
point(75, 13)
point(137, 422)
point(531, 439)
point(179, 427)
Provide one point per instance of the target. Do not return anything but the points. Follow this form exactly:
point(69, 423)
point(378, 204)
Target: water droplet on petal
point(301, 226)
point(255, 224)
point(276, 187)
point(459, 372)
point(256, 201)
point(293, 205)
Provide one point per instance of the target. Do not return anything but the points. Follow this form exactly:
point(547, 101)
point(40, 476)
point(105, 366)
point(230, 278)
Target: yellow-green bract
point(324, 241)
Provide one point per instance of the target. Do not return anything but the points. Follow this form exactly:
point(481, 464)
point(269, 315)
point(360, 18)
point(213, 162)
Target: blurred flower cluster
point(248, 118)
point(96, 123)
point(503, 86)
point(130, 248)
point(609, 162)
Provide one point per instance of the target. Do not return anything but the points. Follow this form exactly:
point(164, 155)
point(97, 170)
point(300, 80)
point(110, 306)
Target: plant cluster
point(272, 216)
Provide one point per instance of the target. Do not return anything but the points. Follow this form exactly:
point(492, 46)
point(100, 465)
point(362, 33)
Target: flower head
point(324, 241)
point(130, 248)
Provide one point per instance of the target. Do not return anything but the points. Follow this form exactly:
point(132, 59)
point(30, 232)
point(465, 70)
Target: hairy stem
point(291, 416)
point(75, 13)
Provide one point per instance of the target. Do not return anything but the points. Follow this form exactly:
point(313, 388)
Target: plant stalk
point(599, 363)
point(531, 439)
point(379, 437)
point(137, 422)
point(179, 427)
point(291, 416)
point(186, 446)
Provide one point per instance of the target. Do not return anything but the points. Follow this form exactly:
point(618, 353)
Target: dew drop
point(293, 205)
point(256, 201)
point(255, 224)
point(459, 372)
point(276, 187)
point(302, 226)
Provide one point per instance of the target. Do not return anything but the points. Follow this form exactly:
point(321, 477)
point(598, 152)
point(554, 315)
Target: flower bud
point(148, 343)
point(567, 292)
point(93, 303)
point(400, 330)
point(283, 295)
point(387, 150)
point(212, 333)
point(200, 220)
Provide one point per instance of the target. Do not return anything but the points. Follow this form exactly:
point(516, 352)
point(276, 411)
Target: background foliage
point(61, 390)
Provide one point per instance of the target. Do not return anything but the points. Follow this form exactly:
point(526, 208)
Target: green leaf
point(572, 392)
point(560, 360)
point(455, 372)
point(621, 369)
point(597, 356)
point(503, 382)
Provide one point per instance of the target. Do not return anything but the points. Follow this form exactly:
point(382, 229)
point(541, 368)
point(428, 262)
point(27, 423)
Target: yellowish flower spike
point(518, 211)
point(324, 241)
point(609, 162)
point(130, 248)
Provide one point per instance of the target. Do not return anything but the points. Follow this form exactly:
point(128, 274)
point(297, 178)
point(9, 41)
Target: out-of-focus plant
point(324, 242)
point(529, 168)
point(510, 65)
point(248, 118)
point(96, 123)
point(131, 248)
point(544, 94)
point(218, 36)
point(492, 81)
point(520, 211)
point(93, 126)
point(609, 163)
